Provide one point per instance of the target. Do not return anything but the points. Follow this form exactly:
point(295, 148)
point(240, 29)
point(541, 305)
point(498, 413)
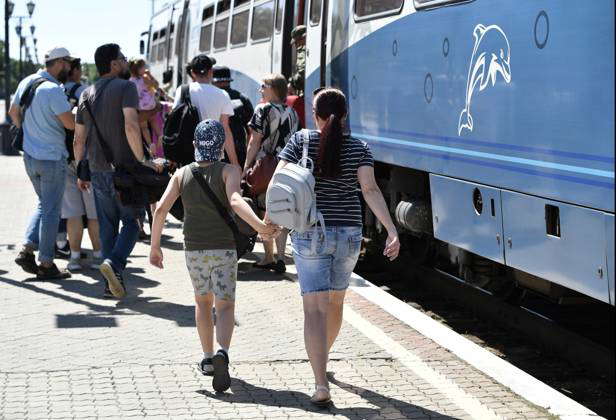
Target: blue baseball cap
point(209, 140)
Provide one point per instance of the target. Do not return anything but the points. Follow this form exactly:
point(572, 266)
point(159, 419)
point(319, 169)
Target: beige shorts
point(213, 271)
point(76, 203)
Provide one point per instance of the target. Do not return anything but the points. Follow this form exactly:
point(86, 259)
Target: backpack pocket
point(281, 206)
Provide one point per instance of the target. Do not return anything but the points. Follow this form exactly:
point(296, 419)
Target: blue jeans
point(331, 265)
point(116, 243)
point(48, 178)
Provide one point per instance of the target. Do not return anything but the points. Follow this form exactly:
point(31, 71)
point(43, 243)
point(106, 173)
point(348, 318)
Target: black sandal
point(270, 266)
point(322, 402)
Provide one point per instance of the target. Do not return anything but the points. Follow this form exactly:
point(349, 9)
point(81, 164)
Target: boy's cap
point(209, 140)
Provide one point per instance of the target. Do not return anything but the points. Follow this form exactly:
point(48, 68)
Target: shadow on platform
point(243, 392)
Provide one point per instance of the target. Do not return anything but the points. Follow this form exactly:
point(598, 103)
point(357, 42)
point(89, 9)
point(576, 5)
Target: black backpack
point(179, 130)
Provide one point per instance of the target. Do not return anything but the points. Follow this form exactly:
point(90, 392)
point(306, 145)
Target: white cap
point(57, 52)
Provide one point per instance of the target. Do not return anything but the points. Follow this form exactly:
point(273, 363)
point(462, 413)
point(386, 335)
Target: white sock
point(97, 254)
point(207, 355)
point(225, 350)
point(75, 255)
point(61, 243)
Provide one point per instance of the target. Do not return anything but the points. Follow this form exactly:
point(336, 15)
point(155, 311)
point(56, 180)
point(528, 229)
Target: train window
point(161, 51)
point(172, 28)
point(205, 40)
point(155, 36)
point(424, 4)
point(162, 33)
point(220, 33)
point(239, 28)
point(377, 8)
point(223, 6)
point(279, 15)
point(240, 2)
point(208, 12)
point(262, 21)
point(315, 11)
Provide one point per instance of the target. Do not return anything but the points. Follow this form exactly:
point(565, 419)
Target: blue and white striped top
point(337, 199)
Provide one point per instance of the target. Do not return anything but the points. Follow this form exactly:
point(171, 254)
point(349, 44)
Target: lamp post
point(9, 6)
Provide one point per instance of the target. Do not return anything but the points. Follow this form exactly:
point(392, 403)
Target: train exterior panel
point(516, 96)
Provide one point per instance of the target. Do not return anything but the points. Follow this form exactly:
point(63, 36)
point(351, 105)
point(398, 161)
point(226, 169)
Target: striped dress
point(337, 199)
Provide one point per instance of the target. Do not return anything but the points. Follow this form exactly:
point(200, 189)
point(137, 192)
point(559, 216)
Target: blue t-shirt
point(44, 135)
point(69, 85)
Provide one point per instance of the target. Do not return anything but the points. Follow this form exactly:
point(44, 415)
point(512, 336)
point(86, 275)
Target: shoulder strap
point(224, 213)
point(106, 149)
point(305, 146)
point(71, 93)
point(185, 94)
point(28, 95)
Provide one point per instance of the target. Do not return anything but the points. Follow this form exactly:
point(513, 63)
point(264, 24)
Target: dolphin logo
point(491, 55)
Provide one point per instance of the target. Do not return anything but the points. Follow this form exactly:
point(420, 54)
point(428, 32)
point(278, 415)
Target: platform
point(68, 353)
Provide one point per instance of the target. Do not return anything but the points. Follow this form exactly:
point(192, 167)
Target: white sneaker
point(74, 265)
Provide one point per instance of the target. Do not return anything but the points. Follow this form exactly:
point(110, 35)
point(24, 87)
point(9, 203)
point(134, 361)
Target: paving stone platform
point(69, 353)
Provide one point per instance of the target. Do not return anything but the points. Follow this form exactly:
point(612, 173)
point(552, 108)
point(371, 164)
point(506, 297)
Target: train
point(491, 121)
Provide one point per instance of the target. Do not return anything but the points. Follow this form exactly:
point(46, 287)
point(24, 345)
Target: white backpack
point(291, 201)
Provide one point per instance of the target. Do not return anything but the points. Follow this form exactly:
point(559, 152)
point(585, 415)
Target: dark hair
point(134, 65)
point(330, 105)
point(201, 64)
point(103, 57)
point(75, 65)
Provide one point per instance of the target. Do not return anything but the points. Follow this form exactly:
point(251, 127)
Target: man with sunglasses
point(114, 101)
point(45, 158)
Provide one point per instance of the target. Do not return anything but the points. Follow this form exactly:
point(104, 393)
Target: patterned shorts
point(213, 271)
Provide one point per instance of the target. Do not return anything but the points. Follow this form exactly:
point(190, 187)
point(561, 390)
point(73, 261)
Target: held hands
point(392, 246)
point(268, 230)
point(156, 257)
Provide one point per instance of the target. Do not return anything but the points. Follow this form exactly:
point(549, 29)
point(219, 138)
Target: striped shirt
point(337, 199)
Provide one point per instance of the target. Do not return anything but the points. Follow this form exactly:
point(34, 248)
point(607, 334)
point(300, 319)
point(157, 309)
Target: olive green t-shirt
point(204, 228)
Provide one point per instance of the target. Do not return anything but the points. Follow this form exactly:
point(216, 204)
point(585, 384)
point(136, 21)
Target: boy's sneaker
point(222, 380)
point(205, 367)
point(115, 283)
point(51, 273)
point(27, 262)
point(74, 265)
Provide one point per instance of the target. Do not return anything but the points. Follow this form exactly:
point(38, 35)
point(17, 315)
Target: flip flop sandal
point(322, 402)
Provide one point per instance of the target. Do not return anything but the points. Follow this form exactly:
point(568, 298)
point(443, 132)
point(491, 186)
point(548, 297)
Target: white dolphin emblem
point(491, 55)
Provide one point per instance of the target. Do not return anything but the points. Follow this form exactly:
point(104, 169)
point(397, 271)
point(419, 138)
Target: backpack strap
point(106, 149)
point(185, 95)
point(222, 211)
point(71, 93)
point(28, 96)
point(305, 159)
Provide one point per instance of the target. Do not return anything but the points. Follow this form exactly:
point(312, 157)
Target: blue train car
point(492, 120)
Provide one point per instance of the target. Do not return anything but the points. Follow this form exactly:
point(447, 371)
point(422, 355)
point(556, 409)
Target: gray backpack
point(291, 201)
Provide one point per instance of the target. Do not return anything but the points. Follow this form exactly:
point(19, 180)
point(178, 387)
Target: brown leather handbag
point(259, 176)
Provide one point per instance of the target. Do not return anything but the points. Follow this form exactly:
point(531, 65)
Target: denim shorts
point(331, 265)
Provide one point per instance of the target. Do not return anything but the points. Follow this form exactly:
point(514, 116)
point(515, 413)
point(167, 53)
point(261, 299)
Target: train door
point(181, 46)
point(316, 44)
point(316, 50)
point(282, 54)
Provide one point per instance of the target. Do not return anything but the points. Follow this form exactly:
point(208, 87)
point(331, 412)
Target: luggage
point(179, 130)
